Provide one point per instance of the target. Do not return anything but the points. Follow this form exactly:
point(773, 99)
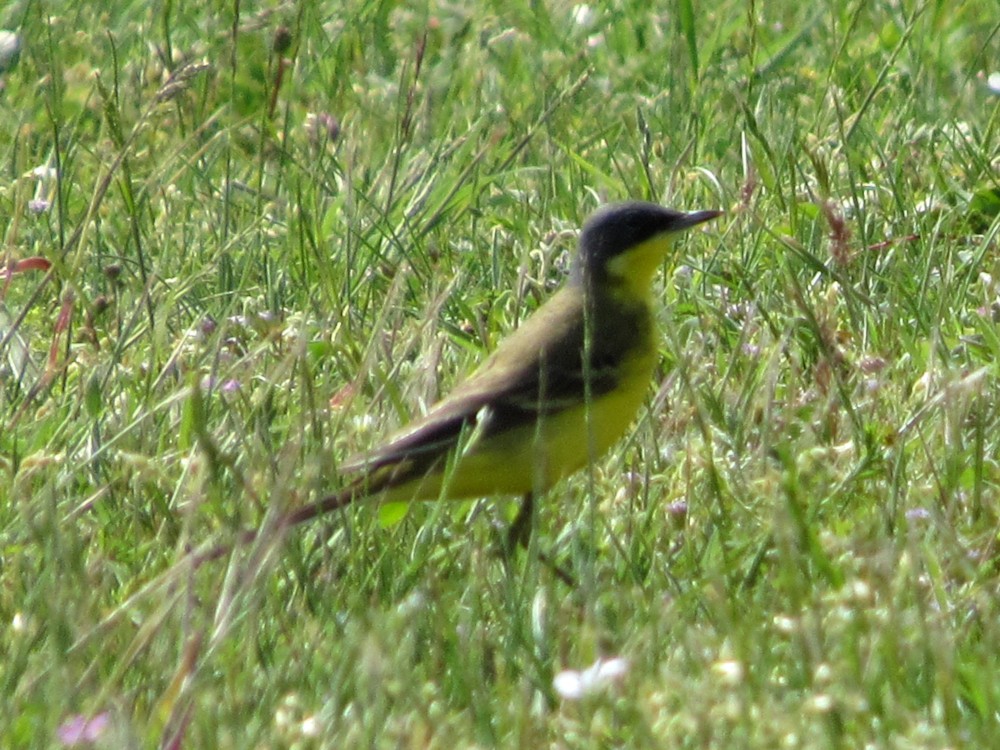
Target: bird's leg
point(519, 533)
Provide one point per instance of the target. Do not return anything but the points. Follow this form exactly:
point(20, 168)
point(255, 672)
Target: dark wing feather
point(509, 382)
point(432, 437)
point(537, 371)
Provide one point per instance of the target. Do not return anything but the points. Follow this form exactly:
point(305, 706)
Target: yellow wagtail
point(553, 397)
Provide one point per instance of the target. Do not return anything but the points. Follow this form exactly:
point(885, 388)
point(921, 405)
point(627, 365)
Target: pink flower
point(79, 730)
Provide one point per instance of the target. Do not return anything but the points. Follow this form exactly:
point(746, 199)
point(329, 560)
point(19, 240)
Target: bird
point(554, 395)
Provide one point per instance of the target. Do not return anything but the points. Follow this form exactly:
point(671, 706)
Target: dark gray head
point(626, 241)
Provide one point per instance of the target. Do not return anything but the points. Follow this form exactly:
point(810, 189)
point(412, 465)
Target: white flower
point(584, 16)
point(573, 685)
point(43, 172)
point(310, 727)
point(729, 672)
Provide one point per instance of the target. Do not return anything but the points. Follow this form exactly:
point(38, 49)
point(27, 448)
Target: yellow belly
point(533, 458)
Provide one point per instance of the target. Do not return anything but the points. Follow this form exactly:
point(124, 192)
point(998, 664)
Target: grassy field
point(249, 245)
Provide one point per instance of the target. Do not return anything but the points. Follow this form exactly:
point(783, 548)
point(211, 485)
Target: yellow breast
point(533, 458)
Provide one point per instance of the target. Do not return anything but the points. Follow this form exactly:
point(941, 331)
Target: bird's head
point(623, 244)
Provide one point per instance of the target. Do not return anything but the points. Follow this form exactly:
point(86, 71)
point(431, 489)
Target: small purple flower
point(322, 126)
point(79, 730)
point(677, 509)
point(39, 205)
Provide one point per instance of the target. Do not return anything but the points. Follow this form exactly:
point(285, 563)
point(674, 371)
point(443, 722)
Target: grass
point(250, 279)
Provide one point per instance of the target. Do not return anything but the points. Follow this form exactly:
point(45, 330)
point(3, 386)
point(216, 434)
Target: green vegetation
point(253, 269)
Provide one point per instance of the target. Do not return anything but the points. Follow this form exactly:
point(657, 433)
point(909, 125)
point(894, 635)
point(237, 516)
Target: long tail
point(306, 513)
